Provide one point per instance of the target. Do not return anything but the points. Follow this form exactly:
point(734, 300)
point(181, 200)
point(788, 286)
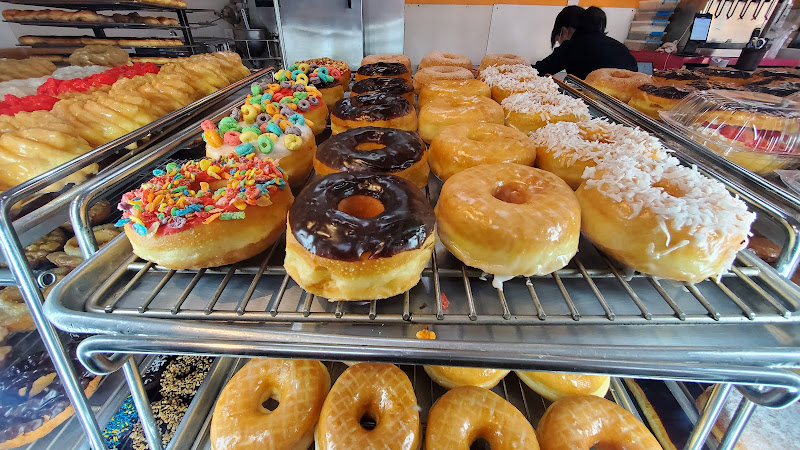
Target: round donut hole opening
point(361, 206)
point(481, 134)
point(670, 188)
point(511, 193)
point(271, 403)
point(367, 421)
point(369, 146)
point(480, 444)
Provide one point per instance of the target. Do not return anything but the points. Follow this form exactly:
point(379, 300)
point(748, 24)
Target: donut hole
point(368, 146)
point(480, 444)
point(511, 193)
point(481, 134)
point(361, 206)
point(272, 401)
point(368, 421)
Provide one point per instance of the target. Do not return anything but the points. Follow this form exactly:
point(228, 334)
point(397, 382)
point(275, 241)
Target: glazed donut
point(514, 79)
point(371, 149)
point(618, 83)
point(101, 55)
point(240, 421)
point(568, 148)
point(498, 202)
point(377, 110)
point(402, 59)
point(383, 69)
point(554, 386)
point(384, 85)
point(586, 421)
point(444, 111)
point(464, 145)
point(452, 88)
point(341, 66)
point(676, 77)
point(466, 414)
point(428, 74)
point(650, 98)
point(288, 139)
point(178, 229)
point(451, 377)
point(680, 224)
point(725, 75)
point(306, 100)
point(359, 236)
point(500, 59)
point(445, 59)
point(379, 392)
point(530, 111)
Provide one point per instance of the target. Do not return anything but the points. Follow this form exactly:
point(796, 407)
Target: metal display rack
point(16, 231)
point(580, 319)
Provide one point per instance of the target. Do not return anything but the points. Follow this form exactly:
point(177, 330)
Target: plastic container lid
point(760, 132)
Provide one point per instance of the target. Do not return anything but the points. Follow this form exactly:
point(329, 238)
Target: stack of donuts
point(373, 405)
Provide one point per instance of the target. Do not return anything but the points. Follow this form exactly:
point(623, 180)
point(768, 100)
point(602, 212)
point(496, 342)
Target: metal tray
point(54, 23)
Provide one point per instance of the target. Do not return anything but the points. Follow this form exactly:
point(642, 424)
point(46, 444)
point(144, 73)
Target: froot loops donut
point(341, 66)
point(444, 111)
point(466, 414)
point(554, 386)
point(679, 224)
point(300, 97)
point(499, 59)
point(461, 146)
point(279, 137)
point(445, 59)
point(381, 393)
point(530, 111)
point(498, 202)
point(586, 421)
point(568, 148)
point(325, 78)
point(207, 213)
point(376, 109)
point(452, 88)
point(428, 74)
point(241, 421)
point(359, 236)
point(618, 83)
point(373, 149)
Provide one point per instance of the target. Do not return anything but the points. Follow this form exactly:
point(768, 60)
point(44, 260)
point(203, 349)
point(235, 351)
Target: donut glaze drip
point(385, 85)
point(677, 75)
point(387, 69)
point(402, 149)
point(324, 230)
point(371, 107)
point(671, 92)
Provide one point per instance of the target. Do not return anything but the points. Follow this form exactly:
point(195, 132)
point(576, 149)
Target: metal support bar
point(139, 396)
point(737, 424)
point(706, 421)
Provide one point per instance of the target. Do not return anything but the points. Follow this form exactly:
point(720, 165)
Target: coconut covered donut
point(554, 386)
point(359, 236)
point(618, 83)
point(484, 215)
point(464, 145)
point(679, 224)
point(373, 149)
point(452, 88)
point(428, 74)
point(381, 392)
point(384, 85)
point(451, 377)
point(384, 69)
point(195, 216)
point(530, 111)
point(510, 79)
point(279, 137)
point(568, 148)
point(445, 111)
point(376, 109)
point(499, 59)
point(240, 421)
point(468, 413)
point(445, 59)
point(586, 421)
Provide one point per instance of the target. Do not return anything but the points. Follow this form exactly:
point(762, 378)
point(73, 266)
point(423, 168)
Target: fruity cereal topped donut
point(297, 96)
point(207, 213)
point(328, 80)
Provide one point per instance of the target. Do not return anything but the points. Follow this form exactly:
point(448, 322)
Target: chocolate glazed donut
point(385, 85)
point(383, 69)
point(376, 109)
point(373, 149)
point(405, 223)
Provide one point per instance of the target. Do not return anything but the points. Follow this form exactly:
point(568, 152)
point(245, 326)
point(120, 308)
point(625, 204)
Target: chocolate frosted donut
point(376, 109)
point(670, 92)
point(372, 149)
point(650, 98)
point(383, 69)
point(724, 74)
point(677, 76)
point(385, 85)
point(783, 89)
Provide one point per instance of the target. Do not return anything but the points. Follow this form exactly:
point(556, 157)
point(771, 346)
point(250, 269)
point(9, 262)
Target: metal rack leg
point(709, 416)
point(738, 422)
point(149, 426)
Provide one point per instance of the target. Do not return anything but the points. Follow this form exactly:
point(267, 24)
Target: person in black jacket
point(584, 46)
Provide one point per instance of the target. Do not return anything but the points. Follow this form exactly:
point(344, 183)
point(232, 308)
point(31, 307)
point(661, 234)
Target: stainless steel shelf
point(54, 23)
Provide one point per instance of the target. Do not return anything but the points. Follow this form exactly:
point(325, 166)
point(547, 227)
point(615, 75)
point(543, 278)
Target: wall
point(484, 26)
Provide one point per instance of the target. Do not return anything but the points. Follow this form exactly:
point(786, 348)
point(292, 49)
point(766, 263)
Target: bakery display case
point(593, 316)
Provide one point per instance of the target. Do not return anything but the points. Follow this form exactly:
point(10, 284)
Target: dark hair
point(592, 20)
point(568, 17)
